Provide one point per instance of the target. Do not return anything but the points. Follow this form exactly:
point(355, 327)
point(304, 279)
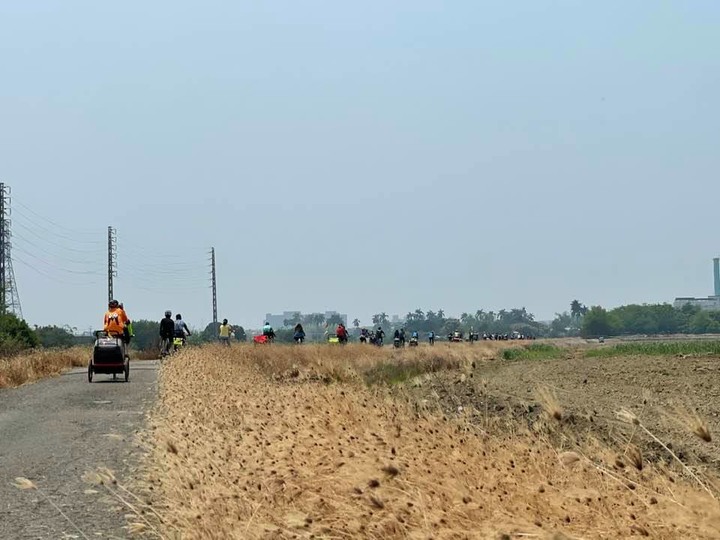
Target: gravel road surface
point(55, 430)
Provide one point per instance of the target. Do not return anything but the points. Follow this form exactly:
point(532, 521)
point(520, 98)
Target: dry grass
point(550, 404)
point(33, 365)
point(291, 442)
point(692, 422)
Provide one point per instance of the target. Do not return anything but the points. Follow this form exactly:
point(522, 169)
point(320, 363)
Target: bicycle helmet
point(168, 313)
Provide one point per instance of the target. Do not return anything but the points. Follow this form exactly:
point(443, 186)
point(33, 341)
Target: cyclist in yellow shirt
point(225, 330)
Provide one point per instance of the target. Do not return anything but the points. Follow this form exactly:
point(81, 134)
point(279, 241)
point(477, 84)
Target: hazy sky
point(359, 156)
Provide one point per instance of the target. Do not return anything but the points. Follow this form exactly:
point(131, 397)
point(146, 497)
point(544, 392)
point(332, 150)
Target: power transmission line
point(65, 258)
point(60, 242)
point(74, 233)
point(57, 253)
point(9, 298)
point(51, 276)
point(56, 267)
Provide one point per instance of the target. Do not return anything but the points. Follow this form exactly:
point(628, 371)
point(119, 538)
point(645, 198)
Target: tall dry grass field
point(301, 442)
point(33, 365)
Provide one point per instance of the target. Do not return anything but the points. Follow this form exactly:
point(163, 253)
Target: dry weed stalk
point(106, 478)
point(691, 421)
point(549, 402)
point(26, 484)
point(634, 454)
point(628, 417)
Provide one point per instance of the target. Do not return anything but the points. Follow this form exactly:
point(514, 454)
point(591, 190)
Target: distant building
point(710, 303)
point(278, 320)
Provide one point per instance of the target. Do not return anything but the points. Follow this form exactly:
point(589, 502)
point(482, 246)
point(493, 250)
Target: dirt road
point(57, 429)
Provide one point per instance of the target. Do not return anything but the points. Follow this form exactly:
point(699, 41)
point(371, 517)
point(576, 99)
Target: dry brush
point(293, 442)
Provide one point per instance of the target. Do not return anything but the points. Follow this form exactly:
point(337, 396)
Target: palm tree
point(419, 315)
point(577, 309)
point(356, 323)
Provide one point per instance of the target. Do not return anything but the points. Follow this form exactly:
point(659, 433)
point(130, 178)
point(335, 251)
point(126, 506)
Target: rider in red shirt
point(341, 333)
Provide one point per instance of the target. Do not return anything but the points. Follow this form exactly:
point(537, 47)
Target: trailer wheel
point(127, 369)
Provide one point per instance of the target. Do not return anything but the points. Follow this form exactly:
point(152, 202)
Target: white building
point(711, 303)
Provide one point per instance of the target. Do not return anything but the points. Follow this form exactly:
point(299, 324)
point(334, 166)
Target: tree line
point(648, 319)
point(580, 320)
point(504, 321)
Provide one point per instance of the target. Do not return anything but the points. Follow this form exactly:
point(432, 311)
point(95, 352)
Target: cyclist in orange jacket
point(116, 320)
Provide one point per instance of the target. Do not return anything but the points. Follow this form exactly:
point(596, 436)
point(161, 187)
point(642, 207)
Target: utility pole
point(9, 298)
point(3, 251)
point(112, 260)
point(214, 289)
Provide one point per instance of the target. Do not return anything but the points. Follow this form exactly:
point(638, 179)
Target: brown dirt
point(664, 392)
point(288, 442)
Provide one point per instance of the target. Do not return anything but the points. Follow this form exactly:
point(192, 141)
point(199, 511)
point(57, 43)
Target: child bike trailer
point(109, 357)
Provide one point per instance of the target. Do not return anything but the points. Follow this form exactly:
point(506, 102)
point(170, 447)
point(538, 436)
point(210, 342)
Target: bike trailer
point(108, 357)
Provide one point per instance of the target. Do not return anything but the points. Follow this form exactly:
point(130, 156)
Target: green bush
point(535, 351)
point(54, 336)
point(15, 335)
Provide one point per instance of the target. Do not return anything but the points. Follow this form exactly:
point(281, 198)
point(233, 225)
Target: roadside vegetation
point(32, 365)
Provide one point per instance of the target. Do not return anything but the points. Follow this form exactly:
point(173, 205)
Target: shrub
point(15, 335)
point(535, 351)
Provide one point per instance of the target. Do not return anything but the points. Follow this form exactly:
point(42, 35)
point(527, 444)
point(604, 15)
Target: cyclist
point(181, 329)
point(299, 334)
point(115, 324)
point(116, 320)
point(167, 332)
point(379, 336)
point(224, 331)
point(268, 331)
point(341, 333)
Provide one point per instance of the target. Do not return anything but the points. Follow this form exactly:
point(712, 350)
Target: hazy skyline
point(359, 157)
